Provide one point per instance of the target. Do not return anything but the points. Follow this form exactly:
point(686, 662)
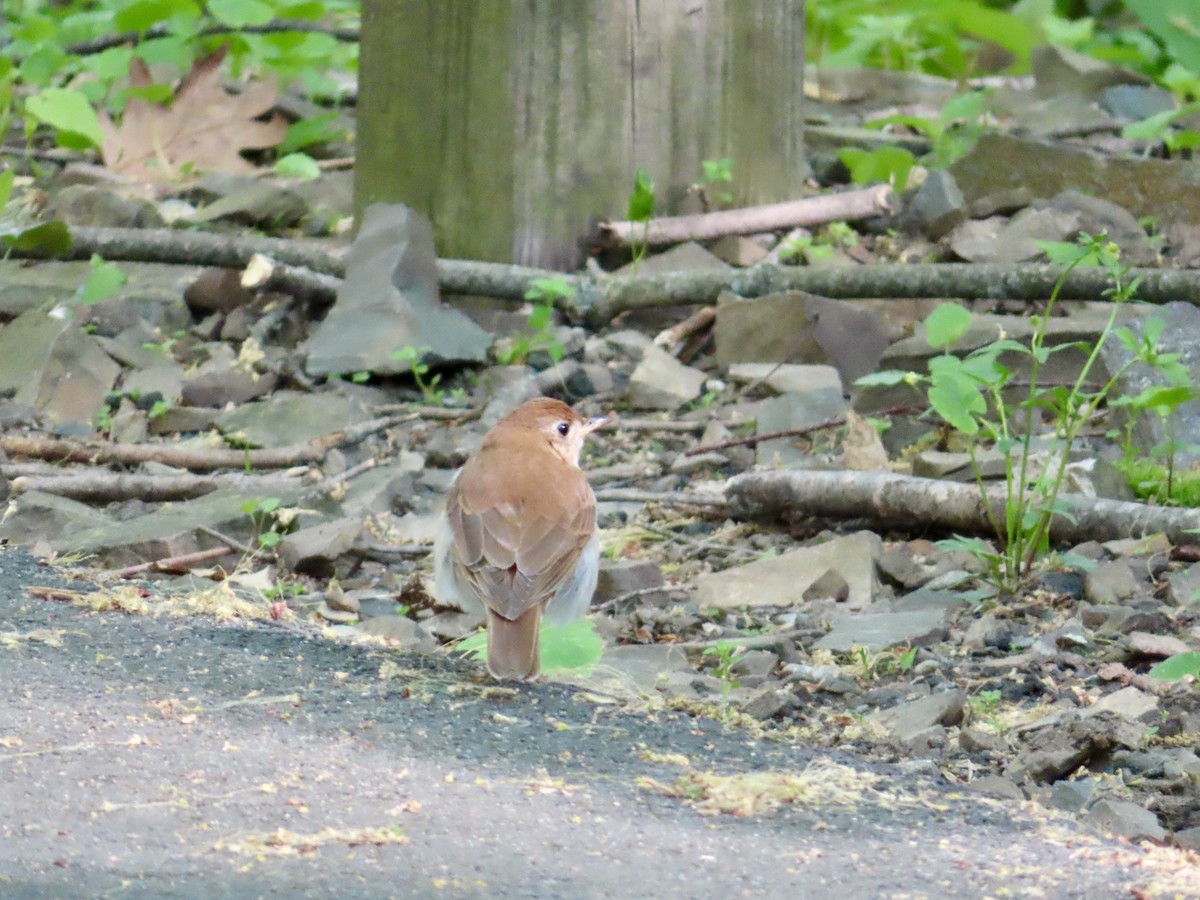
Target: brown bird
point(519, 535)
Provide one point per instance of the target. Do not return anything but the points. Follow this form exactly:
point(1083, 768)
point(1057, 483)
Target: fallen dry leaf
point(204, 126)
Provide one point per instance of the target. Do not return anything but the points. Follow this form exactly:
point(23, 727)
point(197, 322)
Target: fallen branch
point(904, 501)
point(263, 273)
point(694, 327)
point(192, 459)
point(599, 297)
point(835, 422)
point(848, 206)
point(173, 563)
point(107, 487)
point(604, 299)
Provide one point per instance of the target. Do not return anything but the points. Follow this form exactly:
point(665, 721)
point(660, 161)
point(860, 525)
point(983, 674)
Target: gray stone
point(256, 202)
point(1072, 796)
point(936, 207)
point(1156, 646)
point(988, 632)
point(822, 401)
point(223, 379)
point(769, 703)
point(624, 576)
point(172, 529)
point(1125, 819)
point(786, 378)
point(178, 419)
point(33, 517)
point(797, 327)
point(1129, 703)
point(288, 418)
point(1183, 587)
point(315, 550)
point(1166, 189)
point(647, 665)
point(51, 365)
point(1015, 240)
point(87, 205)
point(881, 631)
point(1097, 215)
point(399, 630)
point(660, 381)
point(389, 300)
point(926, 598)
point(737, 250)
point(782, 580)
point(755, 663)
point(1058, 745)
point(685, 257)
point(1110, 582)
point(906, 720)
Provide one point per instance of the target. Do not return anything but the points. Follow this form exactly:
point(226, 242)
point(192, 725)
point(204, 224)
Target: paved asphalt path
point(155, 756)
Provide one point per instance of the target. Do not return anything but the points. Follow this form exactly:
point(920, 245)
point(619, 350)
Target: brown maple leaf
point(204, 125)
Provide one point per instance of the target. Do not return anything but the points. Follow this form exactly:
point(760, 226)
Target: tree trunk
point(516, 125)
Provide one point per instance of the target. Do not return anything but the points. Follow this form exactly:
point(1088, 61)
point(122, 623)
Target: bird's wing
point(516, 550)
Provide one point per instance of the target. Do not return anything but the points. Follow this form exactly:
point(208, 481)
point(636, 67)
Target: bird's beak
point(592, 424)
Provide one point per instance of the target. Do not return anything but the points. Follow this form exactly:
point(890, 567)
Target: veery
point(519, 534)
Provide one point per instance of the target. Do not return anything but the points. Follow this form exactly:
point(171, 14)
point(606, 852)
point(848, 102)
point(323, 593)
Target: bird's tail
point(513, 644)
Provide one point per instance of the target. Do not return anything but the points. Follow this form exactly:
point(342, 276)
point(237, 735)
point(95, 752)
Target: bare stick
point(97, 486)
point(699, 322)
point(848, 206)
point(195, 460)
point(173, 562)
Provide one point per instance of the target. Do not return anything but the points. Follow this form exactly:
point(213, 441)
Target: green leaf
point(66, 110)
point(6, 183)
point(641, 200)
point(888, 164)
point(104, 281)
point(1061, 253)
point(946, 324)
point(574, 645)
point(49, 238)
point(887, 378)
point(958, 401)
point(298, 165)
point(317, 129)
point(240, 13)
point(145, 14)
point(1175, 667)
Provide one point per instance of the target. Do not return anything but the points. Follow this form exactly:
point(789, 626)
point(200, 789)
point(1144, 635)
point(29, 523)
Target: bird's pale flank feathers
point(520, 530)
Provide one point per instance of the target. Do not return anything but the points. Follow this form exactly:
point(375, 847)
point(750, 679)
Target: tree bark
point(515, 126)
point(943, 506)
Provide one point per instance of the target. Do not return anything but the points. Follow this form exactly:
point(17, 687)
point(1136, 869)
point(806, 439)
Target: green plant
point(971, 396)
point(725, 654)
point(939, 37)
point(985, 706)
point(419, 369)
point(1181, 665)
point(955, 130)
point(641, 209)
point(263, 519)
point(570, 647)
point(1159, 129)
point(886, 163)
point(717, 178)
point(159, 409)
point(820, 245)
point(61, 62)
point(543, 293)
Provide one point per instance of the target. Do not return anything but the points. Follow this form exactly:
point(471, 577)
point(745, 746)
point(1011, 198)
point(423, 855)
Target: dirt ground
point(150, 755)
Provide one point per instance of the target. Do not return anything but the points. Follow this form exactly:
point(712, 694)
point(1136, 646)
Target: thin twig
point(173, 562)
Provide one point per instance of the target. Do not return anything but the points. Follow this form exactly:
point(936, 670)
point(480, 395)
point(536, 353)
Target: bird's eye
point(563, 428)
